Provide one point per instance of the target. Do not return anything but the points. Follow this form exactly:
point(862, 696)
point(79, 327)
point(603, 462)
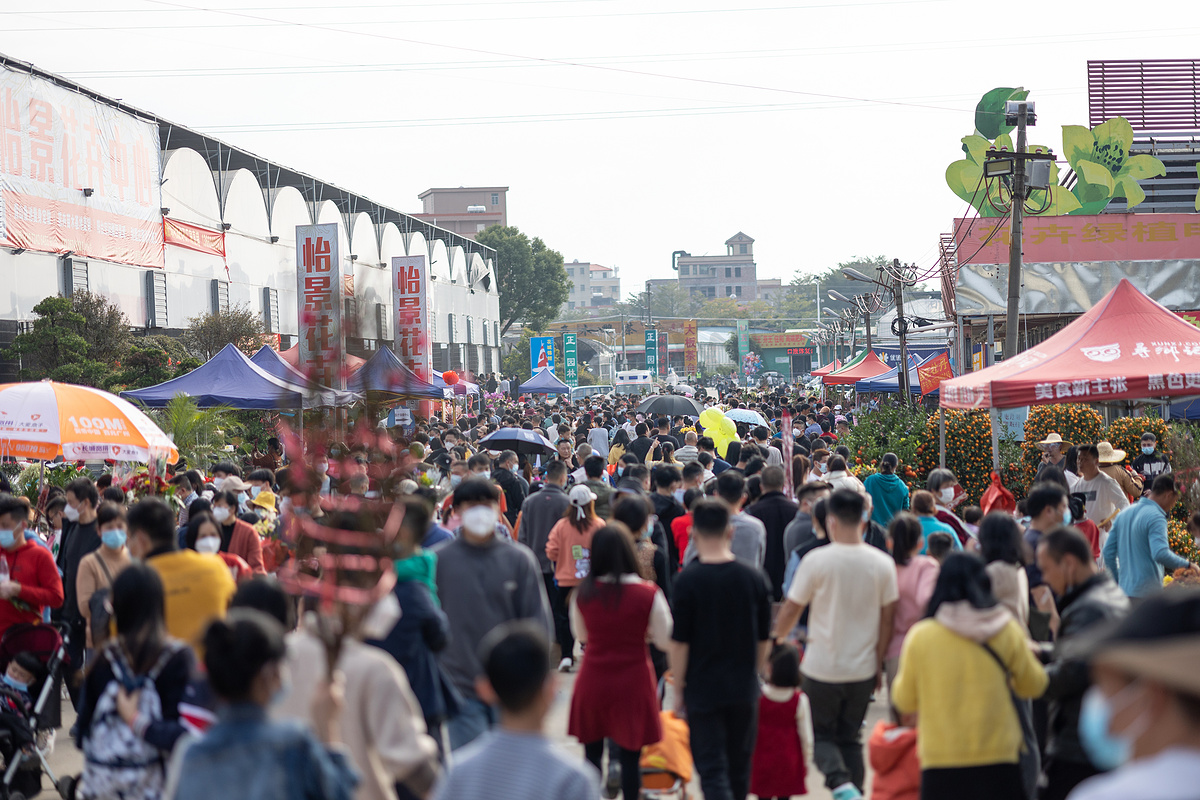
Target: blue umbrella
point(746, 415)
point(520, 440)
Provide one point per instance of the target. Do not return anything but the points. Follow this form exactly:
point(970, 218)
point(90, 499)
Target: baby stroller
point(24, 759)
point(667, 765)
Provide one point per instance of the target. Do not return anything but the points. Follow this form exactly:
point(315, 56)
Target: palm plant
point(197, 432)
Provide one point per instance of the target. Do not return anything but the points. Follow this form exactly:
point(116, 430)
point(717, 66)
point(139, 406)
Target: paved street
point(67, 760)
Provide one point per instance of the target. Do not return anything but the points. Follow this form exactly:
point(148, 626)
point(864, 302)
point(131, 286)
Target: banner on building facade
point(652, 351)
point(318, 290)
point(541, 354)
point(743, 339)
point(76, 175)
point(194, 237)
point(1103, 237)
point(410, 314)
point(691, 342)
point(664, 354)
point(571, 358)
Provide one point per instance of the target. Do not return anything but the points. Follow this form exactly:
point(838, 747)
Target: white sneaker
point(565, 665)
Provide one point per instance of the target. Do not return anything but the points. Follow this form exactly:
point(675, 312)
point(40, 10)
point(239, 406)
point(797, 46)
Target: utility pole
point(867, 325)
point(898, 290)
point(624, 351)
point(1011, 321)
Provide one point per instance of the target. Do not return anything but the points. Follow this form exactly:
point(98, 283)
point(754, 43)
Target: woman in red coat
point(613, 612)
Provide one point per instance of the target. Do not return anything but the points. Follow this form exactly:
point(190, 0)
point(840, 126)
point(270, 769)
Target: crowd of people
point(756, 599)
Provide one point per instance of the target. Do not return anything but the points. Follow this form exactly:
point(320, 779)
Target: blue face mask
point(1107, 751)
point(113, 539)
point(254, 490)
point(15, 684)
point(242, 497)
point(7, 539)
point(1148, 450)
point(1067, 516)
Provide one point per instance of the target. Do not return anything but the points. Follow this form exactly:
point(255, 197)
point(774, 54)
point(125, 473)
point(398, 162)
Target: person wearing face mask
point(32, 583)
point(1150, 463)
point(129, 718)
point(246, 754)
point(260, 480)
point(1141, 717)
point(204, 536)
point(80, 537)
point(820, 466)
point(99, 568)
point(237, 536)
point(197, 587)
point(54, 521)
point(942, 484)
point(222, 472)
point(1085, 598)
point(482, 581)
point(539, 514)
point(510, 483)
point(569, 547)
point(924, 507)
point(381, 721)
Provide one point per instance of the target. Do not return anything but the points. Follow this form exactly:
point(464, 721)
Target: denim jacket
point(247, 755)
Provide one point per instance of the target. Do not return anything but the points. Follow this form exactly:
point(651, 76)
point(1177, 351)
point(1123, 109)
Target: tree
point(530, 277)
point(833, 279)
point(105, 326)
point(56, 347)
point(671, 300)
point(141, 367)
point(209, 333)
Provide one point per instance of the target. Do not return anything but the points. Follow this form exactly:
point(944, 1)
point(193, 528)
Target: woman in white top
point(839, 476)
point(1000, 543)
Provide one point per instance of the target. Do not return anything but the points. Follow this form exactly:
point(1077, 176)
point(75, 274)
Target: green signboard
point(652, 351)
point(571, 367)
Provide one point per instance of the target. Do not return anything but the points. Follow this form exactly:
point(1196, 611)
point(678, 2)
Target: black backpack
point(100, 608)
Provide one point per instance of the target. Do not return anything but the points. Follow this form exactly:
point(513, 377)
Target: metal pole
point(1014, 250)
point(994, 415)
point(624, 351)
point(942, 438)
point(964, 353)
point(898, 289)
point(989, 356)
point(867, 322)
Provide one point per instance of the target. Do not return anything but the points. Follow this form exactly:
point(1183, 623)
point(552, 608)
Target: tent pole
point(942, 439)
point(994, 414)
point(990, 357)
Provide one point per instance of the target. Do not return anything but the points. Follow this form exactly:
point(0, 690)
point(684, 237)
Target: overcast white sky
point(626, 129)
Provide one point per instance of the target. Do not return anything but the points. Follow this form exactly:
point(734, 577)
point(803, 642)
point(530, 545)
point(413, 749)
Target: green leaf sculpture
point(1103, 166)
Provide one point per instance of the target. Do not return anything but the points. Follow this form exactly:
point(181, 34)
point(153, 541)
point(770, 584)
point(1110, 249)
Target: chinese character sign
point(319, 293)
point(934, 372)
point(410, 314)
point(691, 340)
point(77, 175)
point(664, 356)
point(652, 350)
point(1105, 237)
point(571, 354)
point(541, 354)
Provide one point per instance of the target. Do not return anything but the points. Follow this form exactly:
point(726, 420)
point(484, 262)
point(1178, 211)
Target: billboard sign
point(652, 351)
point(77, 175)
point(1104, 237)
point(410, 314)
point(319, 293)
point(541, 354)
point(691, 341)
point(571, 354)
point(743, 338)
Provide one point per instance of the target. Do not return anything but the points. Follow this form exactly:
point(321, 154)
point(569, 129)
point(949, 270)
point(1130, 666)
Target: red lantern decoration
point(450, 377)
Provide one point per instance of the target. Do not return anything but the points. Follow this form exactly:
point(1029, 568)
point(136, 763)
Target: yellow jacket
point(965, 715)
point(198, 588)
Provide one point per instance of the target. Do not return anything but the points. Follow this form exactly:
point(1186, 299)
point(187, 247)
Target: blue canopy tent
point(384, 373)
point(544, 382)
point(271, 362)
point(1188, 408)
point(227, 379)
point(889, 382)
point(462, 387)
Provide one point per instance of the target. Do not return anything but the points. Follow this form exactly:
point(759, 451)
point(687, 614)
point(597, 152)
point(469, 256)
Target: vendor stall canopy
point(1127, 347)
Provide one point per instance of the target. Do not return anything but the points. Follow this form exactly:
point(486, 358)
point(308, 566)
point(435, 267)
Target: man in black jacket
point(775, 512)
point(1085, 599)
point(510, 483)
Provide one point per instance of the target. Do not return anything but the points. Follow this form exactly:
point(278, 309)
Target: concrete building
point(592, 285)
point(467, 210)
point(205, 226)
point(733, 274)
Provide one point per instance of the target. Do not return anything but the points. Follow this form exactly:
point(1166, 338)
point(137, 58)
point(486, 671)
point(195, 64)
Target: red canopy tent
point(1126, 347)
point(821, 372)
point(869, 366)
point(292, 356)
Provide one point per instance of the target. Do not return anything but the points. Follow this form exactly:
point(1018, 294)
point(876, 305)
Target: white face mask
point(209, 544)
point(947, 495)
point(218, 483)
point(71, 513)
point(485, 474)
point(479, 521)
point(220, 513)
point(381, 618)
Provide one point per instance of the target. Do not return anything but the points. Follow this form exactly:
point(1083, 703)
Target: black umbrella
point(520, 440)
point(668, 405)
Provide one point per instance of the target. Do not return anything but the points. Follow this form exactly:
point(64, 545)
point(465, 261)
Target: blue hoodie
point(890, 496)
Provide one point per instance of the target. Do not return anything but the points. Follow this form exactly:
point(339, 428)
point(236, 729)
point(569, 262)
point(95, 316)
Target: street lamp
point(897, 289)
